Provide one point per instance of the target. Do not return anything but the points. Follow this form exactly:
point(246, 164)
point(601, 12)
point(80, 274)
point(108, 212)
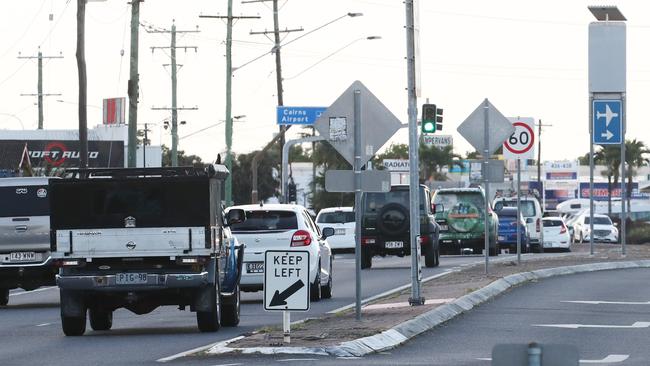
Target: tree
point(609, 156)
point(183, 160)
point(268, 183)
point(634, 158)
point(432, 159)
point(327, 157)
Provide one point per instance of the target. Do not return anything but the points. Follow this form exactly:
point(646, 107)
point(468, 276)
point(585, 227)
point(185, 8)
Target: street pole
point(285, 162)
point(414, 181)
point(519, 211)
point(591, 176)
point(39, 94)
point(486, 183)
point(229, 24)
point(81, 67)
point(144, 146)
point(133, 88)
point(622, 234)
point(357, 202)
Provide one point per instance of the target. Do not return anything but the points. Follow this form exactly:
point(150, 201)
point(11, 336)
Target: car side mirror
point(235, 216)
point(437, 208)
point(327, 232)
point(529, 220)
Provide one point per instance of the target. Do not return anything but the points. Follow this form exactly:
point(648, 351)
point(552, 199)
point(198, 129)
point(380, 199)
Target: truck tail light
point(68, 263)
point(538, 225)
point(365, 240)
point(424, 240)
point(301, 238)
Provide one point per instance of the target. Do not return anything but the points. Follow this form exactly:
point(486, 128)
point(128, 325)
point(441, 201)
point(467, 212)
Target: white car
point(283, 227)
point(556, 234)
point(343, 221)
point(531, 210)
point(604, 229)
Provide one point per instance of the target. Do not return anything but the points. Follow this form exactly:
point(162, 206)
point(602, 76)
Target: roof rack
point(219, 171)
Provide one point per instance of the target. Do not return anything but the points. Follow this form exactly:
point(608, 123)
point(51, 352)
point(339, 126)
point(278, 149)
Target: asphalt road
point(605, 315)
point(30, 328)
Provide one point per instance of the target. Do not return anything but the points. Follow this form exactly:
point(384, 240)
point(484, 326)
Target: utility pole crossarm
point(40, 93)
point(265, 32)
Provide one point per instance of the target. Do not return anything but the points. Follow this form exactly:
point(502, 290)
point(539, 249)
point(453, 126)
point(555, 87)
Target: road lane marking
point(297, 359)
point(636, 325)
point(195, 350)
point(608, 359)
point(609, 302)
point(229, 364)
point(43, 325)
point(31, 292)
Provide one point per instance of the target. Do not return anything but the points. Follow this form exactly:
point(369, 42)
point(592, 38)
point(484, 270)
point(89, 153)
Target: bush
point(638, 233)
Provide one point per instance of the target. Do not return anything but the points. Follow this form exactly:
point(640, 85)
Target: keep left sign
point(286, 280)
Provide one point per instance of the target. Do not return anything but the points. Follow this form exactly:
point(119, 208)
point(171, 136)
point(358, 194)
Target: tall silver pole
point(623, 183)
point(486, 183)
point(357, 200)
point(591, 175)
point(519, 211)
point(414, 193)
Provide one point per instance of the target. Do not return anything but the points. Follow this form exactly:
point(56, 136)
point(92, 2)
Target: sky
point(528, 58)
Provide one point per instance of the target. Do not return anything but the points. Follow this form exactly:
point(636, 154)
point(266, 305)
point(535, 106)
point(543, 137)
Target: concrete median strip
point(429, 320)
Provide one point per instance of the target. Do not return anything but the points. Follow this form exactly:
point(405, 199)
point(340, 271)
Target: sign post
point(286, 284)
point(521, 145)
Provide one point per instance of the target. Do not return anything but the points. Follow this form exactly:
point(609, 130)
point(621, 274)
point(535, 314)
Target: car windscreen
point(336, 217)
point(24, 201)
point(451, 199)
point(107, 203)
point(375, 201)
point(267, 220)
point(527, 207)
point(507, 213)
point(552, 223)
point(599, 220)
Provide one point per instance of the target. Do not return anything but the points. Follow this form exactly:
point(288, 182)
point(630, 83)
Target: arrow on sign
point(607, 134)
point(279, 298)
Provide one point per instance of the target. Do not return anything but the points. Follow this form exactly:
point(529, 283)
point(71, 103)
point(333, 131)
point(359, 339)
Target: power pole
point(83, 83)
point(133, 87)
point(174, 67)
point(39, 94)
point(539, 158)
point(229, 24)
point(278, 77)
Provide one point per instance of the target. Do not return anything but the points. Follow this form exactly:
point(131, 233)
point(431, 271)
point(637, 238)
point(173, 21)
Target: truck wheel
point(100, 320)
point(326, 291)
point(4, 296)
point(208, 321)
point(73, 326)
point(366, 258)
point(430, 257)
point(437, 257)
point(230, 309)
point(314, 291)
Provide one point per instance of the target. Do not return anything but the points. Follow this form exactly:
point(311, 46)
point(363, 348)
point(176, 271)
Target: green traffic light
point(429, 127)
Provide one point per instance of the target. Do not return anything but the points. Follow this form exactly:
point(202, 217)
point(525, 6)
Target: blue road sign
point(607, 122)
point(299, 115)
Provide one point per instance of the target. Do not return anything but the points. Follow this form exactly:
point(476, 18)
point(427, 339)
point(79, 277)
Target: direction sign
point(298, 115)
point(378, 124)
point(286, 280)
point(521, 144)
point(439, 141)
point(607, 121)
point(473, 128)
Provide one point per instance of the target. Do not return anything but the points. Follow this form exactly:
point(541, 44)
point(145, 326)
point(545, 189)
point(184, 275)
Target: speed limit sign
point(521, 144)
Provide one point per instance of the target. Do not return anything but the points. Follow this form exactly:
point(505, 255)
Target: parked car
point(385, 226)
point(461, 218)
point(531, 210)
point(343, 221)
point(556, 234)
point(507, 237)
point(604, 229)
point(284, 227)
point(25, 259)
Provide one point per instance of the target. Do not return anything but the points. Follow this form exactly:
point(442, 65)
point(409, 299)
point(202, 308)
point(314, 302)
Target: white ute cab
point(283, 227)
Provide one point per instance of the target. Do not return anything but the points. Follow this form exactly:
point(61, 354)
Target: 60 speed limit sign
point(521, 144)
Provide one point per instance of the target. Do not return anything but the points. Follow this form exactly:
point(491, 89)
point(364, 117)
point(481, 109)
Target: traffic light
point(438, 119)
point(292, 192)
point(428, 118)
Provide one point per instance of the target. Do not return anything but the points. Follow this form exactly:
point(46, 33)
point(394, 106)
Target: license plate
point(130, 278)
point(501, 238)
point(22, 256)
point(255, 267)
point(444, 228)
point(339, 231)
point(394, 244)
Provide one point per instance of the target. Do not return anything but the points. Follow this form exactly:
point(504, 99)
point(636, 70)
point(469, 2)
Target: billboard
point(61, 153)
point(601, 191)
point(113, 109)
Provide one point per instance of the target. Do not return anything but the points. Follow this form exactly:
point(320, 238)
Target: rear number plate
point(22, 256)
point(394, 244)
point(255, 267)
point(339, 231)
point(131, 278)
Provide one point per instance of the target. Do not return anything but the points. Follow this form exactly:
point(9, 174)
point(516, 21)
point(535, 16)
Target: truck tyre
point(208, 321)
point(326, 291)
point(73, 326)
point(430, 257)
point(4, 296)
point(100, 319)
point(366, 258)
point(315, 291)
point(230, 308)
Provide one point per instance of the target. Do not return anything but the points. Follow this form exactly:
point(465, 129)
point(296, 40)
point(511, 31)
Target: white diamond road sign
point(286, 280)
point(607, 121)
point(521, 144)
point(473, 128)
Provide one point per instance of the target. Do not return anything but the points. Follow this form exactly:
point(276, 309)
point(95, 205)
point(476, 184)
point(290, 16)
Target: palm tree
point(634, 158)
point(609, 156)
point(433, 158)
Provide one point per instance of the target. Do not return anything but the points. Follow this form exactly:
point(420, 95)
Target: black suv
point(385, 225)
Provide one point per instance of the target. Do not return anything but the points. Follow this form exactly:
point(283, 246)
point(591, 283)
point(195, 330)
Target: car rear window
point(527, 207)
point(24, 201)
point(267, 220)
point(373, 202)
point(551, 223)
point(507, 213)
point(599, 220)
point(450, 199)
point(336, 217)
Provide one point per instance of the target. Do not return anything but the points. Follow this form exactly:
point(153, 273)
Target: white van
point(531, 210)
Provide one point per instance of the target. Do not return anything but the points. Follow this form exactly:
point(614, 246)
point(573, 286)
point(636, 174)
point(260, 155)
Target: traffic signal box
point(431, 119)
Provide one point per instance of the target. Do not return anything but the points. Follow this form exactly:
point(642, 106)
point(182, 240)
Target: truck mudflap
point(72, 304)
point(233, 269)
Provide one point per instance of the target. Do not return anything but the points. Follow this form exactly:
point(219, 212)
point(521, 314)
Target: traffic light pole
point(285, 162)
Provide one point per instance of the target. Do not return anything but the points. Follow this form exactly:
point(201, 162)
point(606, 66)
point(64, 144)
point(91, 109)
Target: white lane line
point(297, 359)
point(390, 292)
point(609, 302)
point(43, 325)
point(31, 292)
point(608, 359)
point(636, 325)
point(229, 364)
